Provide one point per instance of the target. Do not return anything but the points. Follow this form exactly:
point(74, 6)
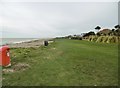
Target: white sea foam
point(5, 41)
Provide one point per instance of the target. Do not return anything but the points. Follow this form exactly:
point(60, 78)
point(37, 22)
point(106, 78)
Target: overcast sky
point(51, 19)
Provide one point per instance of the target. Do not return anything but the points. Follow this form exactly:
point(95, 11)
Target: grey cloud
point(56, 19)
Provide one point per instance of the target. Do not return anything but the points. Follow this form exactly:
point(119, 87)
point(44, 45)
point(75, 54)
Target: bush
point(100, 39)
point(90, 38)
point(77, 38)
point(112, 39)
point(105, 38)
point(94, 38)
point(118, 39)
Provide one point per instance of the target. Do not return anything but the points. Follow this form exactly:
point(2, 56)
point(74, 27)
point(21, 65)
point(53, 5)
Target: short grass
point(66, 63)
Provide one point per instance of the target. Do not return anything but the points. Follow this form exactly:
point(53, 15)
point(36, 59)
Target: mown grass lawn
point(66, 63)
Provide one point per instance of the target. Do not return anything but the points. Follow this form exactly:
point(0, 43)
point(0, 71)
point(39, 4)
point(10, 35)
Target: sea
point(4, 41)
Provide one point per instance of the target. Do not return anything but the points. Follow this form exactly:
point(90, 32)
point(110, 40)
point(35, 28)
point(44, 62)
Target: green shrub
point(100, 39)
point(112, 39)
point(118, 39)
point(90, 38)
point(95, 38)
point(105, 38)
point(108, 41)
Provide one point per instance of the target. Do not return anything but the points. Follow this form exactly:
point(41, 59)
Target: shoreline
point(28, 43)
point(24, 41)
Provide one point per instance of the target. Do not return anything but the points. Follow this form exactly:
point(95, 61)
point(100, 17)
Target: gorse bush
point(112, 39)
point(92, 38)
point(100, 39)
point(104, 39)
point(118, 39)
point(108, 40)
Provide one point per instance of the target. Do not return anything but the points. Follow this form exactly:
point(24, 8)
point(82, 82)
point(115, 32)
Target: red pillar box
point(4, 56)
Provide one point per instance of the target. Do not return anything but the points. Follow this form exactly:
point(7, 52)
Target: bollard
point(45, 43)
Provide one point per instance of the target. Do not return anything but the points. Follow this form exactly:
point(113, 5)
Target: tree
point(89, 33)
point(117, 26)
point(113, 30)
point(117, 31)
point(98, 34)
point(97, 28)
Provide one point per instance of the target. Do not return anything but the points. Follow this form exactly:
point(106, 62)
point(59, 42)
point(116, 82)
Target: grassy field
point(65, 63)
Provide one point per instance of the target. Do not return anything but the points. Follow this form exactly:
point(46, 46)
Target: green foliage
point(104, 39)
point(100, 39)
point(98, 34)
point(77, 38)
point(92, 38)
point(98, 28)
point(117, 32)
point(112, 39)
point(117, 26)
point(89, 34)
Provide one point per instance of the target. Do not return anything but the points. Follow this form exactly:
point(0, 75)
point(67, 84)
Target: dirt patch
point(16, 68)
point(7, 71)
point(20, 67)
